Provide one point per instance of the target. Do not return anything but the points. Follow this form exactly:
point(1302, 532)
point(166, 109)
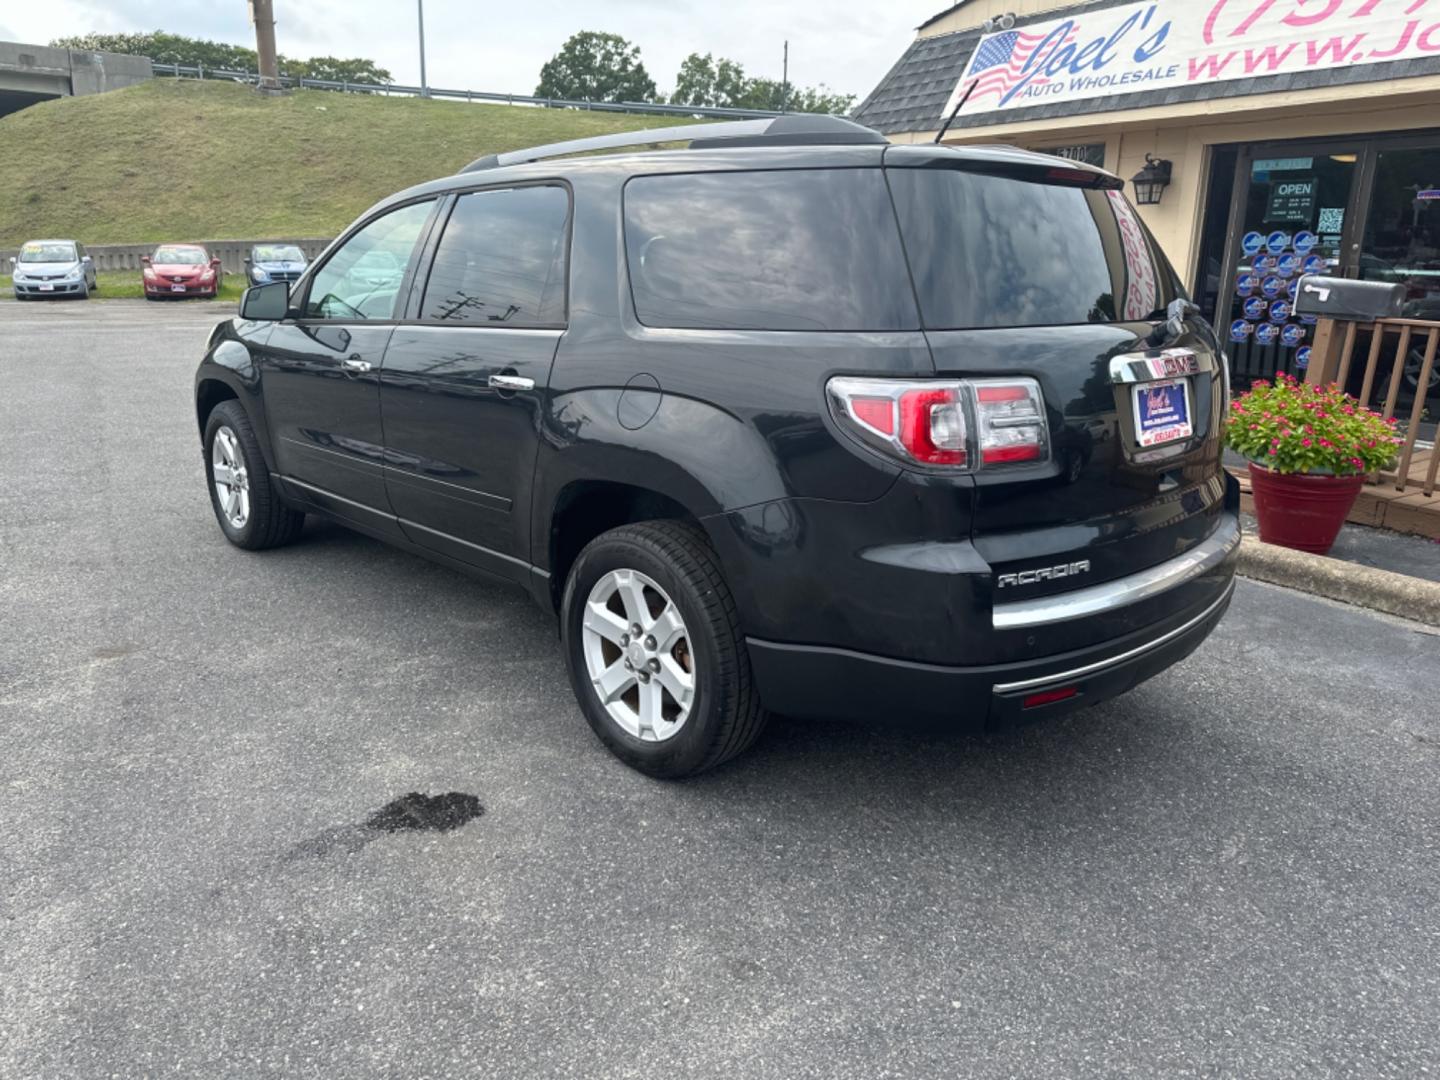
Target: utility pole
point(785, 77)
point(262, 14)
point(424, 86)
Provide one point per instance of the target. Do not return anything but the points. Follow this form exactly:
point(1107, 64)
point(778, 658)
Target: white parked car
point(48, 268)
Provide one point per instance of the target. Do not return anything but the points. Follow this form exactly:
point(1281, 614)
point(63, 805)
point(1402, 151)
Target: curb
point(1350, 583)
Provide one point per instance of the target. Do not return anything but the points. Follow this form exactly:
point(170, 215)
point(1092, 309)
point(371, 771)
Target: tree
point(771, 94)
point(703, 81)
point(166, 48)
point(593, 66)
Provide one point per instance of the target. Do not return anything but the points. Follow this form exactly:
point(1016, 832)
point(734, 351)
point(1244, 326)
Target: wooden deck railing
point(1332, 359)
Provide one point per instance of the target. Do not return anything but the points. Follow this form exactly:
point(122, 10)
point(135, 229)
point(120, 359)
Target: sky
point(482, 45)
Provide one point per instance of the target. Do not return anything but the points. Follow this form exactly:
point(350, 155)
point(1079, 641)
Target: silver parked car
point(52, 268)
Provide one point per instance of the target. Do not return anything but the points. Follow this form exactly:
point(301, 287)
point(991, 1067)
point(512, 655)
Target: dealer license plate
point(1162, 412)
point(177, 288)
point(47, 288)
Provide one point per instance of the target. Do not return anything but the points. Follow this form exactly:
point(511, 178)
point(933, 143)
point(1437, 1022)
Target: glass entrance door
point(1402, 244)
point(1293, 215)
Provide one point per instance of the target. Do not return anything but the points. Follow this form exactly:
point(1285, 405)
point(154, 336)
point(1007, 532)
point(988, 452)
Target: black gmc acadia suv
point(790, 420)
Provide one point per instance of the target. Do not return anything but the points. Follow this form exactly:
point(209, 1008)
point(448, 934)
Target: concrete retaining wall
point(45, 70)
point(231, 253)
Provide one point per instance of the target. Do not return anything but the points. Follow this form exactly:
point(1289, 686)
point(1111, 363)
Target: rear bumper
point(816, 681)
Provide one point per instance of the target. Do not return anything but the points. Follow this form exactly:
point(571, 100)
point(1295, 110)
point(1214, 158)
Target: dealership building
point(1262, 139)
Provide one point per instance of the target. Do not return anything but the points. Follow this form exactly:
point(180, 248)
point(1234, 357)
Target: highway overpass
point(31, 73)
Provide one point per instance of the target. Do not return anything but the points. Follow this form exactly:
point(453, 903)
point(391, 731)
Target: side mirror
point(87, 259)
point(247, 260)
point(214, 264)
point(12, 260)
point(266, 303)
point(145, 259)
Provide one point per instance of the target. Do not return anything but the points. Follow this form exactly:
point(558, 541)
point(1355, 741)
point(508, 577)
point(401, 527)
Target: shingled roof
point(912, 96)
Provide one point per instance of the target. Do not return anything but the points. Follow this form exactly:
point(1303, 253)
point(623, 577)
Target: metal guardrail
point(181, 71)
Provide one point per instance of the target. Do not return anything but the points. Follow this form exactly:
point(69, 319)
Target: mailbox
point(1343, 298)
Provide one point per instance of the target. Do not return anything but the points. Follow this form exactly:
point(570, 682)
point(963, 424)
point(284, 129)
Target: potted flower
point(1309, 449)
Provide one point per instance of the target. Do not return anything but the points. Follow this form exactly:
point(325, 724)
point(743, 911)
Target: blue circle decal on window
point(1264, 263)
point(1310, 320)
point(1240, 330)
point(1252, 243)
point(1266, 333)
point(1304, 241)
point(1245, 284)
point(1294, 288)
point(1254, 308)
point(1277, 242)
point(1314, 264)
point(1272, 286)
point(1280, 311)
point(1302, 358)
point(1287, 265)
point(1292, 335)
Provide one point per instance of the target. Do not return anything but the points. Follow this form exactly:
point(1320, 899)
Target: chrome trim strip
point(491, 552)
point(325, 494)
point(1114, 661)
point(1200, 559)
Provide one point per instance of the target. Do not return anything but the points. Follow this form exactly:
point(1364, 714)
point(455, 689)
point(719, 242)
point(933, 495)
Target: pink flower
point(1304, 442)
point(1357, 463)
point(1273, 451)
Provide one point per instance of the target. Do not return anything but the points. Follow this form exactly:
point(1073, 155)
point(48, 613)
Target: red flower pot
point(1302, 510)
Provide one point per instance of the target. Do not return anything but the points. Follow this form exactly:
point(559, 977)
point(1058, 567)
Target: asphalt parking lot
point(1233, 871)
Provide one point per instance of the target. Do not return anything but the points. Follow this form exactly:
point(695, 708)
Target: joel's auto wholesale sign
point(1168, 43)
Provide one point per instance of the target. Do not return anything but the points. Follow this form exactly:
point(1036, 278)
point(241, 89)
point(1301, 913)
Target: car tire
point(666, 563)
point(257, 518)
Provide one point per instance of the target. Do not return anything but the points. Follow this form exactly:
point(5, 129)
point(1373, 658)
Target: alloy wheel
point(638, 655)
point(232, 481)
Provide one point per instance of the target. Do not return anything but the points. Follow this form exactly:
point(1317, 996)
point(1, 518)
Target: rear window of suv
point(794, 249)
point(991, 251)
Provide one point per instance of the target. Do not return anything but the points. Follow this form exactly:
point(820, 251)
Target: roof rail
point(792, 129)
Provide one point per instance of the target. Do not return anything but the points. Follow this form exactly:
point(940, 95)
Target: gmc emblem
point(1048, 573)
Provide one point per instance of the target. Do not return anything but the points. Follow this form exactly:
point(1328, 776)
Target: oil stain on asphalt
point(409, 813)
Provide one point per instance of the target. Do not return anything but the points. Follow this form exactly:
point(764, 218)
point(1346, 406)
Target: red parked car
point(180, 270)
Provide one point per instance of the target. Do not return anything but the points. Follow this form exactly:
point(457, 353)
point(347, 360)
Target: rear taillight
point(964, 425)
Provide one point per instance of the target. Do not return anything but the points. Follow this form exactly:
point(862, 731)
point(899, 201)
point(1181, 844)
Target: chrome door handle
point(354, 363)
point(511, 382)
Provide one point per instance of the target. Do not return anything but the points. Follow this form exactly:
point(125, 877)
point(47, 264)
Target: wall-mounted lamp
point(1003, 22)
point(1150, 181)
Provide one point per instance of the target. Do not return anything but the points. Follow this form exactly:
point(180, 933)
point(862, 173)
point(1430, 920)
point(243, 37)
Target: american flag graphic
point(1000, 61)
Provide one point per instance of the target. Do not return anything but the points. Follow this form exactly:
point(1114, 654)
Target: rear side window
point(786, 250)
point(501, 260)
point(991, 251)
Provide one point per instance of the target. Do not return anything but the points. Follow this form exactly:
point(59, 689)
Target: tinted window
point(992, 251)
point(501, 260)
point(361, 280)
point(786, 250)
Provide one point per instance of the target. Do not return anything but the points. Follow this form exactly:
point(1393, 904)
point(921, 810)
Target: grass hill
point(175, 160)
